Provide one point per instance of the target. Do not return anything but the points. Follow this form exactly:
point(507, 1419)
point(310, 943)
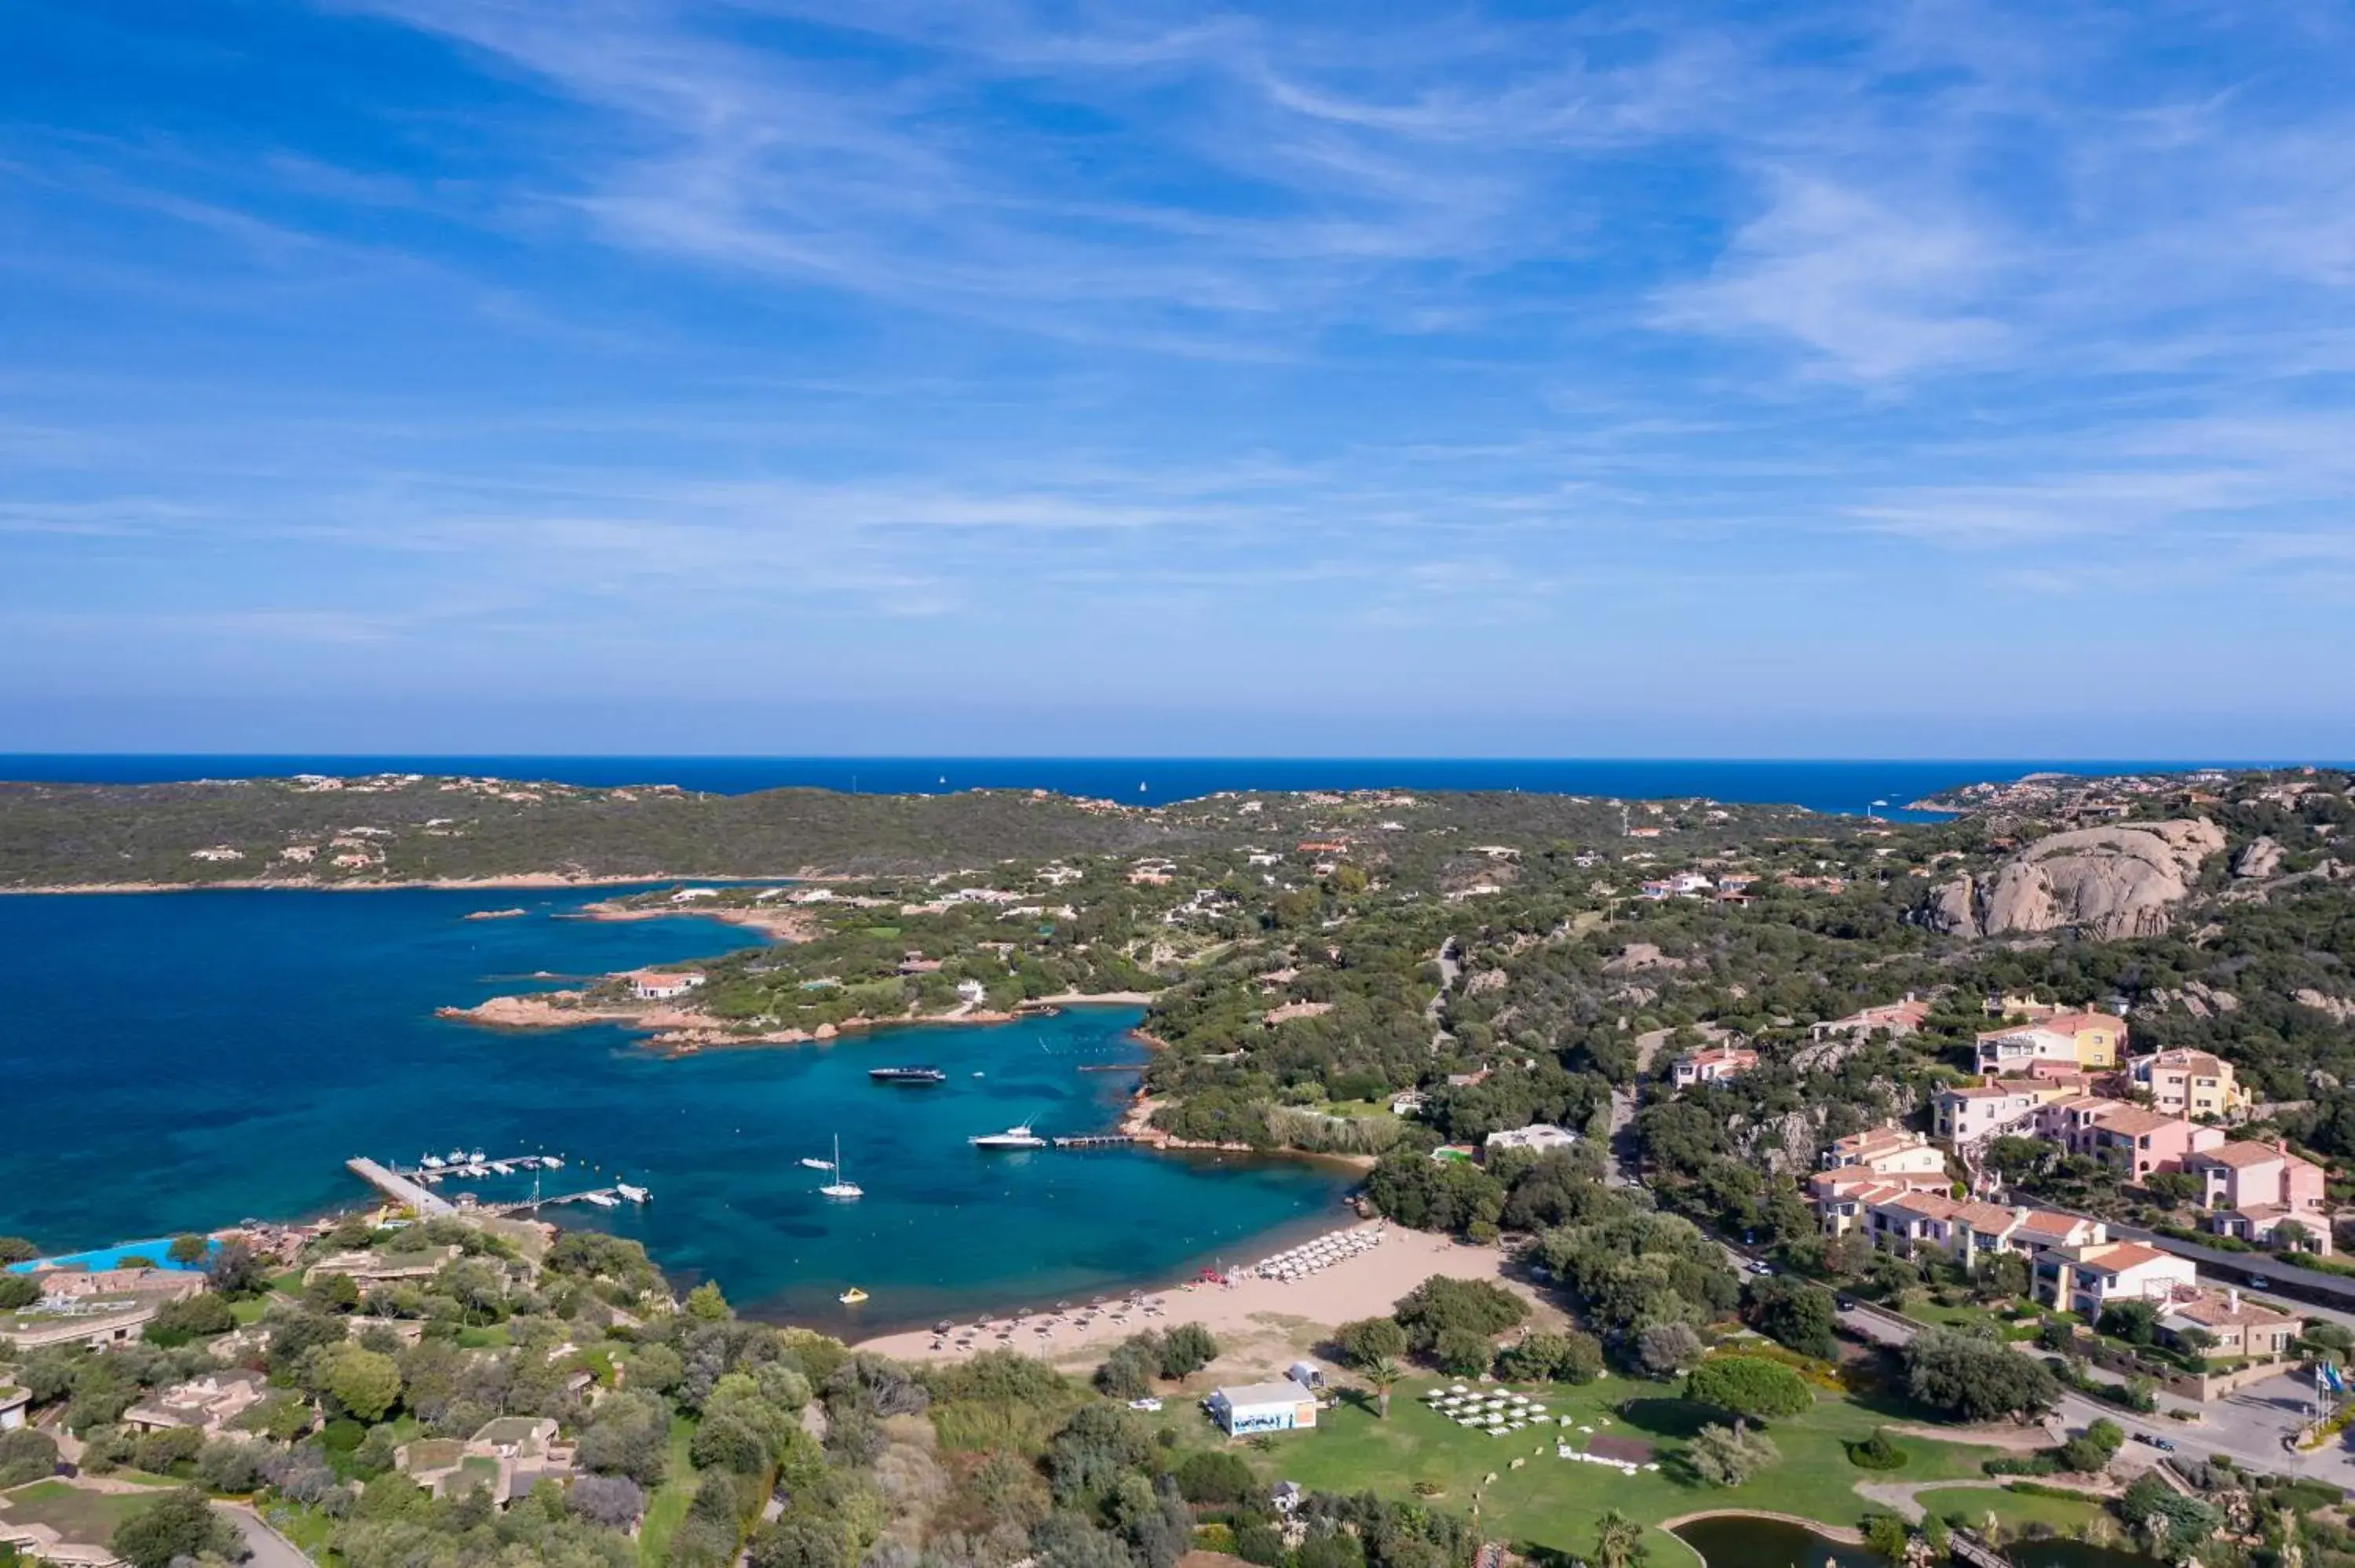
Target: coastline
point(1248, 1310)
point(542, 880)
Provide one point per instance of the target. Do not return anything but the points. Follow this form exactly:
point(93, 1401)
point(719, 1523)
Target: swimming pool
point(155, 1252)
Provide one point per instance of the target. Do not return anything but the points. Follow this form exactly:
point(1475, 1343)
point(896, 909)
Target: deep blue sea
point(1839, 786)
point(182, 1061)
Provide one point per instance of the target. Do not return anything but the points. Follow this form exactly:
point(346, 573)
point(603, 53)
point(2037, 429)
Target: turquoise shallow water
point(178, 1061)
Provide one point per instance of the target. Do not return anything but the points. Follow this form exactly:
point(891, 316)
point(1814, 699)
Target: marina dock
point(423, 1201)
point(1096, 1140)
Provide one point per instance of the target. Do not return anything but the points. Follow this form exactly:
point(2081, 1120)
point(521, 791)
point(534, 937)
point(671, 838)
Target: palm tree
point(1384, 1375)
point(1618, 1541)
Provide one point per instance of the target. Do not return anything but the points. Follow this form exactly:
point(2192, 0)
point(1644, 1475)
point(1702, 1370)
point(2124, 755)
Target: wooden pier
point(528, 1205)
point(1096, 1140)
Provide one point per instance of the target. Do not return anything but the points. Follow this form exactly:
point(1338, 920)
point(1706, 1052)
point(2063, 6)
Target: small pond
point(1742, 1540)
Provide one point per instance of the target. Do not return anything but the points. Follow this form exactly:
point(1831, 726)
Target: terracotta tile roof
point(2116, 1257)
point(2069, 1023)
point(2045, 1223)
point(2132, 1121)
point(2241, 1155)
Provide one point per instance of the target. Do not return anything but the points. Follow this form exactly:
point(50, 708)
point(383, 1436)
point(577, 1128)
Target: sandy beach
point(1261, 1324)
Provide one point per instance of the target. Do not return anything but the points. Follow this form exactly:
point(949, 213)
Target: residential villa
point(1887, 1150)
point(2255, 1188)
point(1541, 1138)
point(1712, 1065)
point(208, 1404)
point(1897, 1019)
point(508, 1455)
point(2136, 1142)
point(1967, 1231)
point(663, 985)
point(2087, 1040)
point(2232, 1325)
point(2189, 1083)
point(2085, 1279)
point(94, 1308)
point(367, 1269)
point(14, 1401)
point(1973, 1113)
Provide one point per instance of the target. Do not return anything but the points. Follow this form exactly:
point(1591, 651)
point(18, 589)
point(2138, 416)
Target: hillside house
point(2085, 1279)
point(208, 1404)
point(1712, 1065)
point(664, 985)
point(2189, 1083)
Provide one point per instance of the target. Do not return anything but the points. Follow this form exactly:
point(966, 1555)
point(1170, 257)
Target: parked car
point(2164, 1444)
point(2259, 1282)
point(1844, 1303)
point(1760, 1266)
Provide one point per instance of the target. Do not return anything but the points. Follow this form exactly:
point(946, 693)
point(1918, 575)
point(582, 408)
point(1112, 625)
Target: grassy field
point(84, 1518)
point(2062, 1515)
point(1552, 1503)
point(668, 1505)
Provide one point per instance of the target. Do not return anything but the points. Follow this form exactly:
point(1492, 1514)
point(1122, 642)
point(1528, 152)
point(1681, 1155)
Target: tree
point(1440, 1303)
point(2093, 1448)
point(236, 1270)
point(705, 1305)
point(1128, 1371)
point(1187, 1350)
point(26, 1454)
point(1371, 1340)
point(1571, 1357)
point(1749, 1386)
point(190, 1317)
point(333, 1293)
point(1794, 1313)
point(180, 1523)
point(1384, 1375)
point(1618, 1542)
point(1976, 1379)
point(613, 1501)
point(1728, 1456)
point(628, 1436)
point(189, 1250)
point(801, 1541)
point(364, 1383)
point(1887, 1535)
point(1462, 1353)
point(1215, 1475)
point(2292, 1235)
point(2135, 1322)
point(1667, 1349)
point(16, 1291)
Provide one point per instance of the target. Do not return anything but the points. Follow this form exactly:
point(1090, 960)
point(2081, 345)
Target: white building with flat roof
point(1280, 1406)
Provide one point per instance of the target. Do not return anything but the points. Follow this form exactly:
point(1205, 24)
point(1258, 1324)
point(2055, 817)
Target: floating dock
point(1096, 1140)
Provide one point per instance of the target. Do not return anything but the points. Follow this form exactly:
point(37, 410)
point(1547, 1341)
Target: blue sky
point(1750, 379)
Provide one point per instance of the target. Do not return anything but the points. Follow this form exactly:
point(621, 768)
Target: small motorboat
point(433, 1162)
point(634, 1194)
point(852, 1297)
point(817, 1164)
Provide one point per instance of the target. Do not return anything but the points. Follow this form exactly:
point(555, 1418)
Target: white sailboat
point(841, 1186)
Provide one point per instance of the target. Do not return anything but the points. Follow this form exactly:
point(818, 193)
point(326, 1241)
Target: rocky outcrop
point(2258, 857)
point(2340, 1008)
point(2196, 998)
point(2106, 882)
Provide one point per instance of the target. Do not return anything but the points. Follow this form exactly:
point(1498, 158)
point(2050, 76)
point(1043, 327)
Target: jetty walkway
point(425, 1202)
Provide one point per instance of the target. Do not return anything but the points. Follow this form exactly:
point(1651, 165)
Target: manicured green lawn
point(1553, 1502)
point(2062, 1514)
point(307, 1528)
point(84, 1518)
point(668, 1505)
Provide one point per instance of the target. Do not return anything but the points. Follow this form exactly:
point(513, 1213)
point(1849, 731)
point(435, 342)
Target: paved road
point(270, 1550)
point(1449, 967)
